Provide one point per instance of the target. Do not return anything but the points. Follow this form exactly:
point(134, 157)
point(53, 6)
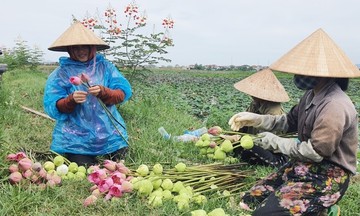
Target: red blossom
point(75, 80)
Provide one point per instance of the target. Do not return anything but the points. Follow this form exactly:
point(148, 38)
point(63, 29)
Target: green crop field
point(178, 100)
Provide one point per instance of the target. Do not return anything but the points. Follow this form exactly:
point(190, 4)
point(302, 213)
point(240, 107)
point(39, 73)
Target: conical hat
point(263, 85)
point(317, 55)
point(77, 34)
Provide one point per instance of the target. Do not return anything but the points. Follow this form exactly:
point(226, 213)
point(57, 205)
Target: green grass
point(176, 100)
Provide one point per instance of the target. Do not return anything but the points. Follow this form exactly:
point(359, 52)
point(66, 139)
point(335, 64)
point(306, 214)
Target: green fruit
point(182, 197)
point(226, 193)
point(210, 150)
point(58, 160)
point(167, 195)
point(183, 205)
point(180, 167)
point(80, 175)
point(199, 143)
point(70, 175)
point(156, 193)
point(73, 167)
point(203, 151)
point(48, 165)
point(246, 142)
point(82, 169)
point(210, 156)
point(206, 143)
point(217, 212)
point(178, 186)
point(145, 187)
point(155, 201)
point(62, 170)
point(234, 160)
point(156, 183)
point(158, 169)
point(200, 199)
point(143, 170)
point(199, 212)
point(167, 184)
point(136, 182)
point(226, 146)
point(219, 154)
point(205, 137)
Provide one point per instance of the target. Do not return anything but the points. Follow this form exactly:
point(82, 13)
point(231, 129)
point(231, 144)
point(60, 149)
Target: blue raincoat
point(88, 129)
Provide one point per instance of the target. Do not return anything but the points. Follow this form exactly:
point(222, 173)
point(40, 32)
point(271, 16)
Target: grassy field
point(176, 100)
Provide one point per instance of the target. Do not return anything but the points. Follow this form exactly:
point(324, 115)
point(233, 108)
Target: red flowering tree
point(132, 51)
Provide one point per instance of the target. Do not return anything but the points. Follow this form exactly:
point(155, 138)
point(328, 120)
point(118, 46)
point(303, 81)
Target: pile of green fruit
point(219, 145)
point(65, 169)
point(188, 186)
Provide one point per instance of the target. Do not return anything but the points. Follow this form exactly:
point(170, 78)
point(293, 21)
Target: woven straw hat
point(263, 85)
point(317, 55)
point(77, 34)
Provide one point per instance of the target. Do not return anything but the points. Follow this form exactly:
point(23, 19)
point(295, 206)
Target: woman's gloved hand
point(271, 141)
point(243, 119)
point(288, 146)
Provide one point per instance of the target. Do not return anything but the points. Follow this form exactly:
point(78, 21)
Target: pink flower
point(75, 80)
point(15, 177)
point(93, 168)
point(16, 157)
point(51, 183)
point(85, 78)
point(212, 144)
point(117, 177)
point(90, 200)
point(35, 178)
point(25, 164)
point(115, 190)
point(96, 176)
point(110, 165)
point(215, 131)
point(42, 173)
point(13, 168)
point(36, 166)
point(96, 192)
point(126, 187)
point(94, 187)
point(105, 184)
point(122, 168)
point(27, 174)
point(57, 179)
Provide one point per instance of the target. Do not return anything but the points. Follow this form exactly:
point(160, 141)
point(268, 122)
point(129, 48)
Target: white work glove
point(288, 146)
point(242, 119)
point(263, 122)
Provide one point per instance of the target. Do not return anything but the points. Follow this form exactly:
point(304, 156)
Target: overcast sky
point(223, 32)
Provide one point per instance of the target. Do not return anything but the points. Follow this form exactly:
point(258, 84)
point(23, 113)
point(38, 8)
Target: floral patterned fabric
point(299, 188)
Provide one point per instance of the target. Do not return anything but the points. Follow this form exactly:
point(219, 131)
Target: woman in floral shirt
point(323, 157)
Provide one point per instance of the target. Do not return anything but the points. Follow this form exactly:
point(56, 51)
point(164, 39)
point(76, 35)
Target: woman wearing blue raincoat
point(83, 127)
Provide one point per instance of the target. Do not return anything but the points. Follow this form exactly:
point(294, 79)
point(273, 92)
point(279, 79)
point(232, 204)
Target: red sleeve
point(111, 97)
point(66, 105)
